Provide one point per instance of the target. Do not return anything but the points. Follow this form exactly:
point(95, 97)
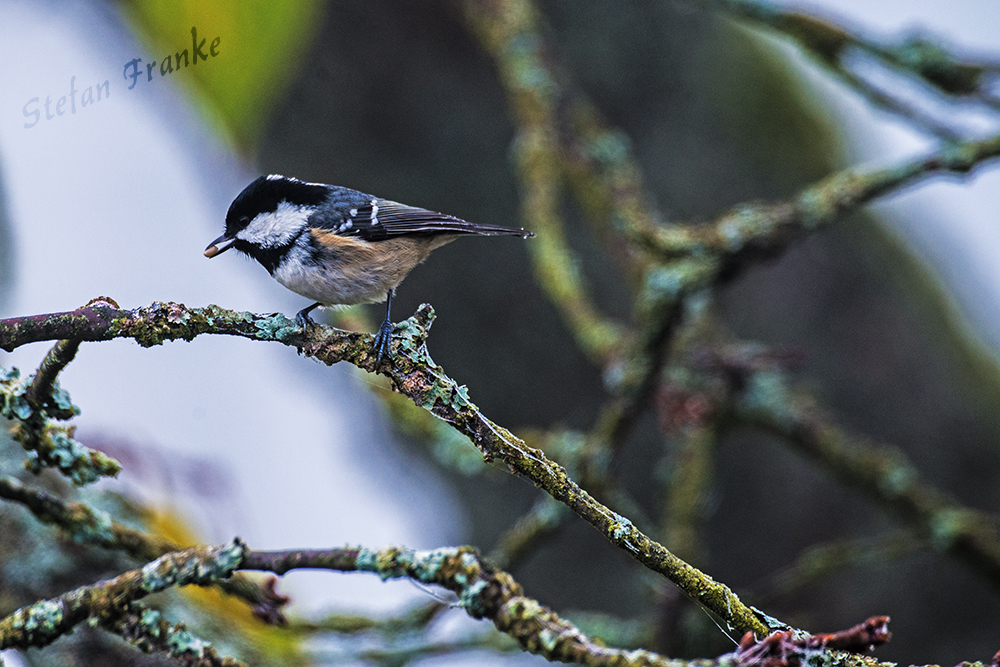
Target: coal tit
point(335, 245)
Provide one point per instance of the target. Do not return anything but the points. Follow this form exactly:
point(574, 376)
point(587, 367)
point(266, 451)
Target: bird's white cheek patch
point(278, 228)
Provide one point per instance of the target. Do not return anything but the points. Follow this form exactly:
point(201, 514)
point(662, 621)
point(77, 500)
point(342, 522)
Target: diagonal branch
point(413, 374)
point(150, 632)
point(752, 231)
point(43, 392)
point(881, 472)
point(921, 57)
point(43, 622)
point(87, 525)
point(84, 524)
point(48, 443)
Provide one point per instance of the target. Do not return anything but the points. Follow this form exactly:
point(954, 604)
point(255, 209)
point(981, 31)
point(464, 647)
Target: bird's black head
point(264, 220)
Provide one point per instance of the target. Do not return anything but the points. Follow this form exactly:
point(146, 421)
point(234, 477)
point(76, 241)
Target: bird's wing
point(381, 219)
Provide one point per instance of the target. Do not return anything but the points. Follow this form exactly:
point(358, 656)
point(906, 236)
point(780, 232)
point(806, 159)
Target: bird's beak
point(214, 248)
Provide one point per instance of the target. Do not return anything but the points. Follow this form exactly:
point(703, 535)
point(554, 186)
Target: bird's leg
point(384, 336)
point(302, 317)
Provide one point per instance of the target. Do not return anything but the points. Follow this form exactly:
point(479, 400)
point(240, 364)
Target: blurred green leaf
point(260, 44)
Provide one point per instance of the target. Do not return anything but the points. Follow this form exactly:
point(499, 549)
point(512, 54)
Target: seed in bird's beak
point(219, 245)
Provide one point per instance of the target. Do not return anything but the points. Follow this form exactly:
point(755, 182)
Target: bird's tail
point(492, 230)
point(399, 219)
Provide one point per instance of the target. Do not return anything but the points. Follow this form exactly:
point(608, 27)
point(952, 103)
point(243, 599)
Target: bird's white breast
point(325, 282)
point(352, 272)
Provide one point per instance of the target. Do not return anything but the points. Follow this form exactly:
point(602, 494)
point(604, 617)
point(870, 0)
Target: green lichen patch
point(55, 447)
point(49, 444)
point(471, 599)
point(40, 618)
point(277, 327)
point(177, 640)
point(94, 526)
point(433, 566)
point(60, 400)
point(182, 569)
point(366, 560)
point(13, 403)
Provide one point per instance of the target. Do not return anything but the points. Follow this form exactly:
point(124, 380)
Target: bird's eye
point(244, 221)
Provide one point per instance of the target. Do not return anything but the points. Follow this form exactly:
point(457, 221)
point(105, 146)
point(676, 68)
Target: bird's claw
point(383, 342)
point(303, 320)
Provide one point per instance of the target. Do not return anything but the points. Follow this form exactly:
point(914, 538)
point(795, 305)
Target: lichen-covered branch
point(483, 591)
point(84, 524)
point(43, 622)
point(547, 515)
point(486, 592)
point(148, 326)
point(88, 525)
point(150, 632)
point(42, 393)
point(415, 375)
point(48, 443)
point(418, 377)
point(36, 405)
point(754, 231)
